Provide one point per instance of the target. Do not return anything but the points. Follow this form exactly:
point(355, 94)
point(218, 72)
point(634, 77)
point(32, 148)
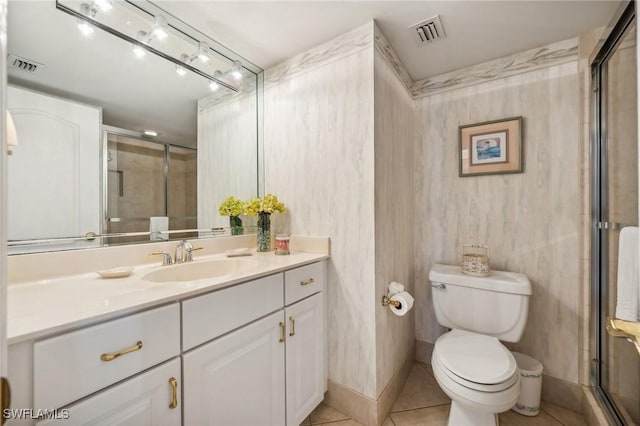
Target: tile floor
point(422, 403)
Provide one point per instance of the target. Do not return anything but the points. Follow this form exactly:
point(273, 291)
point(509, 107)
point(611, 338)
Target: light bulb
point(85, 28)
point(90, 12)
point(104, 5)
point(181, 71)
point(150, 133)
point(203, 52)
point(236, 70)
point(160, 27)
point(213, 86)
point(139, 51)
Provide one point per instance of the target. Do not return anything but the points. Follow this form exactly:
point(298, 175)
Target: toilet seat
point(475, 361)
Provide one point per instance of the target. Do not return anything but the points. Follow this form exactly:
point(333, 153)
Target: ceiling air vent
point(427, 31)
point(26, 65)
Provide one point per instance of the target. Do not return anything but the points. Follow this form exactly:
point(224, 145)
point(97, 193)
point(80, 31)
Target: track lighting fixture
point(236, 70)
point(213, 84)
point(89, 11)
point(159, 30)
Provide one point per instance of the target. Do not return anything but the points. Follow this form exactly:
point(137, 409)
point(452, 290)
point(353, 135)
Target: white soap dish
point(238, 252)
point(121, 272)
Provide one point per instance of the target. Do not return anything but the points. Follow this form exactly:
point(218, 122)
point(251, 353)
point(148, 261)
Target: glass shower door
point(617, 375)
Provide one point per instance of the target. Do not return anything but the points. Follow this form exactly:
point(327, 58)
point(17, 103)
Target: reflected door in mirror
point(55, 170)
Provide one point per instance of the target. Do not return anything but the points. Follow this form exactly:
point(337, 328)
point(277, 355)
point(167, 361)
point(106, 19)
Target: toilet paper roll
point(395, 288)
point(406, 303)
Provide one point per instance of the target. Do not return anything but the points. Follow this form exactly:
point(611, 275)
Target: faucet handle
point(191, 249)
point(166, 257)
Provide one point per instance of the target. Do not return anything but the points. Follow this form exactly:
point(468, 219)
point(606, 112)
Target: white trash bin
point(530, 385)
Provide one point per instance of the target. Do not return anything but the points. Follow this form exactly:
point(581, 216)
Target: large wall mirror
point(132, 126)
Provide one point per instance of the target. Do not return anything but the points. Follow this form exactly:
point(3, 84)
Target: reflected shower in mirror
point(195, 97)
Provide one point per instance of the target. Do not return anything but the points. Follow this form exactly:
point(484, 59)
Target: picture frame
point(491, 147)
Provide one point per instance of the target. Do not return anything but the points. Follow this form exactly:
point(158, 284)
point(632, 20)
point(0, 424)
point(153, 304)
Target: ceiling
point(145, 94)
point(268, 32)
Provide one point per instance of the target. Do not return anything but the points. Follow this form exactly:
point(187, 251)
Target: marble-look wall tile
point(394, 220)
point(386, 52)
point(529, 220)
point(227, 157)
point(502, 68)
point(334, 49)
point(319, 160)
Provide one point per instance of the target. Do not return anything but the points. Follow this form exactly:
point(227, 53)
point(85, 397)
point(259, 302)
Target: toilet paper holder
point(387, 301)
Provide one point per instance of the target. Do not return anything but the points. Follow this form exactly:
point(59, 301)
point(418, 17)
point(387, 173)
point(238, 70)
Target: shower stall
point(147, 179)
point(615, 368)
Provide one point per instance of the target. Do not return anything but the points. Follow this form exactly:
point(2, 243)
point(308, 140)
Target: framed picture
point(492, 147)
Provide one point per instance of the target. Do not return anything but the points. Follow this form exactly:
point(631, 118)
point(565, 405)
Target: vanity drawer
point(304, 281)
point(75, 364)
point(209, 316)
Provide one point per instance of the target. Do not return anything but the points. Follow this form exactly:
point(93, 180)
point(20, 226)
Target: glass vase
point(236, 225)
point(264, 232)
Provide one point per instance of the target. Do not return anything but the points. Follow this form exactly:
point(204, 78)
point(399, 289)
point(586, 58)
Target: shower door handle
point(611, 225)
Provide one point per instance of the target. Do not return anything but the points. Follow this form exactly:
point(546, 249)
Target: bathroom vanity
point(245, 347)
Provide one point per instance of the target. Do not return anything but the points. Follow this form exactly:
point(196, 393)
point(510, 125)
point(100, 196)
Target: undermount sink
point(199, 270)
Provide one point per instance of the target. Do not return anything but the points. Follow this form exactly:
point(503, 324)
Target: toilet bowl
point(479, 375)
point(469, 362)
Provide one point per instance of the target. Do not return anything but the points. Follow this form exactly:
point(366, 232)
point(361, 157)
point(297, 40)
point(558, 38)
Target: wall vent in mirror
point(24, 64)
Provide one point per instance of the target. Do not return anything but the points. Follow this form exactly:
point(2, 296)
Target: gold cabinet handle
point(293, 326)
point(174, 393)
point(111, 357)
point(307, 282)
point(5, 389)
point(282, 331)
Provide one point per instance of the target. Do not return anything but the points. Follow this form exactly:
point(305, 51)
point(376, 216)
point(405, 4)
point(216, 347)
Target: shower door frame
point(599, 207)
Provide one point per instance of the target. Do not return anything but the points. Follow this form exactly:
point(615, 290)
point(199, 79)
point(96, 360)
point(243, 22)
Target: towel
point(157, 224)
point(628, 301)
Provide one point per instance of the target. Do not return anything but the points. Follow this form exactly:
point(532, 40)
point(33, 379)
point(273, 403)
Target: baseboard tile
point(563, 393)
point(363, 409)
point(591, 410)
point(391, 392)
point(354, 404)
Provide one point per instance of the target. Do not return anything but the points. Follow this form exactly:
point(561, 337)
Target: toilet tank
point(496, 305)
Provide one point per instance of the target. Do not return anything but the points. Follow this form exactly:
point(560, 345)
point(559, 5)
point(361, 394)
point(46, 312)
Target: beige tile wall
point(529, 220)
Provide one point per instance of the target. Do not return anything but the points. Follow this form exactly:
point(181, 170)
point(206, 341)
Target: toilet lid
point(475, 357)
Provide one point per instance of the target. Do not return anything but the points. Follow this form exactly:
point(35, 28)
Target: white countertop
point(46, 307)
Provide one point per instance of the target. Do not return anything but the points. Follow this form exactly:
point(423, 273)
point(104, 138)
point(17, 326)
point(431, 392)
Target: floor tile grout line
point(419, 408)
point(553, 417)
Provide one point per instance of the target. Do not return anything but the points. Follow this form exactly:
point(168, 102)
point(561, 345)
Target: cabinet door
point(305, 358)
point(238, 379)
point(145, 400)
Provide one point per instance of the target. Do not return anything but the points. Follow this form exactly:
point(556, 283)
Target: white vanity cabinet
point(253, 353)
point(305, 357)
point(238, 379)
point(270, 372)
point(149, 399)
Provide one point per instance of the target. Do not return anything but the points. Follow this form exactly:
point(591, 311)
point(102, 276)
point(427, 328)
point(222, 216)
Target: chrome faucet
point(166, 257)
point(183, 252)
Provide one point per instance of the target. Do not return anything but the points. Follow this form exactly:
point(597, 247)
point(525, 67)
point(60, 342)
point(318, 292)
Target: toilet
point(469, 363)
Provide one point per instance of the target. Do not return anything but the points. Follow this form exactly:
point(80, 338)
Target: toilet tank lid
point(502, 281)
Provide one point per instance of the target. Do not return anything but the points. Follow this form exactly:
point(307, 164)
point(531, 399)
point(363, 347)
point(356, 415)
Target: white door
point(54, 172)
point(305, 358)
point(149, 399)
point(237, 379)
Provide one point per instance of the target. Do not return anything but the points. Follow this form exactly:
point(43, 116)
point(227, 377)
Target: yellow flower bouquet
point(233, 208)
point(263, 207)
